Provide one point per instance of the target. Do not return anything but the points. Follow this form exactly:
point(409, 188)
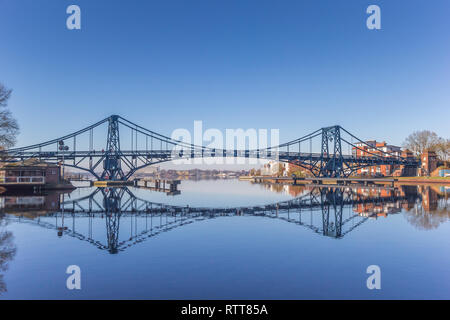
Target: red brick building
point(406, 171)
point(429, 163)
point(376, 149)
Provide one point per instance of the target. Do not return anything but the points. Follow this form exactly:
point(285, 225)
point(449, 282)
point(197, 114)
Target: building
point(29, 173)
point(444, 173)
point(275, 168)
point(404, 170)
point(376, 149)
point(429, 163)
point(270, 169)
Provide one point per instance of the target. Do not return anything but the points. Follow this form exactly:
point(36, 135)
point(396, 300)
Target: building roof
point(30, 163)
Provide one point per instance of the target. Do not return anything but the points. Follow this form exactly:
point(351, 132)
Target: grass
point(424, 178)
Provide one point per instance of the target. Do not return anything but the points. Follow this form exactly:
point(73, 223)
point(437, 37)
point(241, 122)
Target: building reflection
point(30, 204)
point(432, 210)
point(429, 199)
point(293, 191)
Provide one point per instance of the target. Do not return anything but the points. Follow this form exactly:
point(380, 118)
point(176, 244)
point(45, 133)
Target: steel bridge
point(321, 210)
point(327, 152)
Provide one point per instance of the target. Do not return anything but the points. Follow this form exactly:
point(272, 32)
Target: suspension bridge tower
point(112, 169)
point(331, 164)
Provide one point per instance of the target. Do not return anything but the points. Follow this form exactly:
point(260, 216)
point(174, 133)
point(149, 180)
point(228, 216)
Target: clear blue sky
point(292, 65)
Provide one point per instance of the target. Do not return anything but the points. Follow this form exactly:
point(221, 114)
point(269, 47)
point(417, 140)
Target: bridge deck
point(169, 186)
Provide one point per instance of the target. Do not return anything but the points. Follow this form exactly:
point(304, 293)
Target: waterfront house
point(29, 173)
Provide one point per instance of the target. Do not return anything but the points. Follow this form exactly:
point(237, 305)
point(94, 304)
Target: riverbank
point(424, 180)
point(398, 180)
point(6, 187)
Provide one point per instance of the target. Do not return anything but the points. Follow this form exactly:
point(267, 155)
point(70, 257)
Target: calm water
point(226, 239)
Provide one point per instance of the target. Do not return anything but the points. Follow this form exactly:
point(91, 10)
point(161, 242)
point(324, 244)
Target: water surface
point(226, 239)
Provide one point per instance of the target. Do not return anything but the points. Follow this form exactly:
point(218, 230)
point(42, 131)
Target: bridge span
point(326, 152)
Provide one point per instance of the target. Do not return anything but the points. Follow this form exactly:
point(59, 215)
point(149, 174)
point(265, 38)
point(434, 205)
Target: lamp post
point(63, 148)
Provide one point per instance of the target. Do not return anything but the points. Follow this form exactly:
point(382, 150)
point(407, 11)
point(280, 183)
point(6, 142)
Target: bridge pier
point(162, 185)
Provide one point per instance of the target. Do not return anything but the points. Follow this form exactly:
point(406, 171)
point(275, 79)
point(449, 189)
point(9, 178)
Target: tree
point(297, 170)
point(281, 169)
point(8, 125)
point(443, 149)
point(419, 141)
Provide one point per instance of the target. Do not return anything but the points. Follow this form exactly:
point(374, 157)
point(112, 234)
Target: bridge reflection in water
point(331, 212)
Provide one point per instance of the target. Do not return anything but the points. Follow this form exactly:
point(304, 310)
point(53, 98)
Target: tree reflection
point(431, 211)
point(424, 220)
point(7, 251)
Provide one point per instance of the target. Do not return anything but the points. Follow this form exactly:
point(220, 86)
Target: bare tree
point(8, 125)
point(443, 149)
point(419, 141)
